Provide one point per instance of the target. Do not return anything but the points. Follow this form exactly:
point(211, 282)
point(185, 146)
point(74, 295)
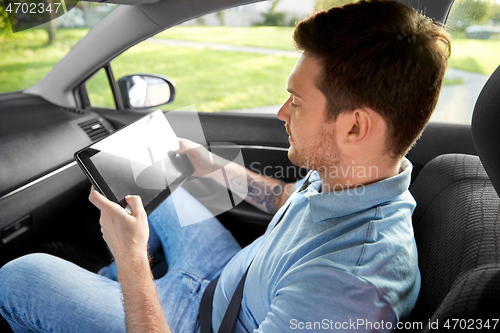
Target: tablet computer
point(138, 159)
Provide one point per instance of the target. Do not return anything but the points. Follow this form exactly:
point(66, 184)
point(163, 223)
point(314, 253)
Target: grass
point(267, 37)
point(25, 57)
point(447, 82)
point(480, 56)
point(211, 80)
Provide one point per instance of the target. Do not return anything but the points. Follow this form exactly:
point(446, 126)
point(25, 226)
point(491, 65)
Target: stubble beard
point(321, 155)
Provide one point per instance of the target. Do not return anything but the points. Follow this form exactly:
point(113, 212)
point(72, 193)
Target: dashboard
point(38, 174)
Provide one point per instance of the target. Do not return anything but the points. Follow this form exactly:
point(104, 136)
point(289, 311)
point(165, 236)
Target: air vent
point(74, 110)
point(94, 129)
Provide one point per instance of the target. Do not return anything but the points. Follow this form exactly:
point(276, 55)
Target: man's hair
point(378, 54)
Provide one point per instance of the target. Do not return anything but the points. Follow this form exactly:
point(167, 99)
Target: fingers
point(185, 145)
point(135, 203)
point(105, 205)
point(101, 201)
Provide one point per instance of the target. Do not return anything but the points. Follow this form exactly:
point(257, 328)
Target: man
point(339, 254)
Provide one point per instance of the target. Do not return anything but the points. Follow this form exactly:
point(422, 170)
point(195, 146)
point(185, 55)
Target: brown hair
point(379, 54)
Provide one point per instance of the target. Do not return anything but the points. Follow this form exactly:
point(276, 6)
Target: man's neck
point(351, 175)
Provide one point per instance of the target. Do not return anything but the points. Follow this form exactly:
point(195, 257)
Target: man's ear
point(355, 125)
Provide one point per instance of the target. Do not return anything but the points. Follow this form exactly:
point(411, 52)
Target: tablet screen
point(139, 159)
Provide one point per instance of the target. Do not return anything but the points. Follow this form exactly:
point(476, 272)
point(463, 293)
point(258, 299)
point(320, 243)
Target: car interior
point(44, 194)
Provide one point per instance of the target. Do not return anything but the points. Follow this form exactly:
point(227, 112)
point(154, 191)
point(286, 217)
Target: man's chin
point(296, 159)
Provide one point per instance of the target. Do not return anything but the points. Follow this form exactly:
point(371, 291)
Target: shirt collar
point(349, 201)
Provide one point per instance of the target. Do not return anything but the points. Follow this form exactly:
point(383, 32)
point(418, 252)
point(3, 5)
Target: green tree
point(220, 17)
point(495, 13)
point(4, 20)
point(465, 13)
point(273, 17)
point(50, 26)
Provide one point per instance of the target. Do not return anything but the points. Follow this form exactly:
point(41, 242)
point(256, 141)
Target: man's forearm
point(127, 237)
point(143, 311)
point(265, 193)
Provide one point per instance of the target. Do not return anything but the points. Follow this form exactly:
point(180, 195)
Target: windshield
point(27, 56)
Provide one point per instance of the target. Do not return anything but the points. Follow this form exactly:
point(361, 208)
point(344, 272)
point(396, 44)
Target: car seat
point(456, 225)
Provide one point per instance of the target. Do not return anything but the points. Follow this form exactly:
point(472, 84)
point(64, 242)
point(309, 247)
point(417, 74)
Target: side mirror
point(142, 91)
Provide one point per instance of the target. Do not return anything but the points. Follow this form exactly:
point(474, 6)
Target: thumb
point(135, 203)
point(184, 145)
point(100, 201)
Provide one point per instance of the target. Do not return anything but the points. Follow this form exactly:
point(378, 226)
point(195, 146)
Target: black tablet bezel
point(83, 159)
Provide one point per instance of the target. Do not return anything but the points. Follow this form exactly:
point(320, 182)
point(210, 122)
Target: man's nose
point(284, 111)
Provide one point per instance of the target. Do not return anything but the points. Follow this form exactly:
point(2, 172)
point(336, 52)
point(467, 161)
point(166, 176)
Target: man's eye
point(293, 104)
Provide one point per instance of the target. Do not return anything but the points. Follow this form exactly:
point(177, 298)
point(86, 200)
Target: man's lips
point(287, 129)
point(288, 132)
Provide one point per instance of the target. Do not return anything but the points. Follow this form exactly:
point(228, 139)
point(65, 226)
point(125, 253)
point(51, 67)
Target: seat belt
point(206, 305)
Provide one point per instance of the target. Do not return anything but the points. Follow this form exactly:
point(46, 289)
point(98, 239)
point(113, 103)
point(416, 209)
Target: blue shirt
point(337, 260)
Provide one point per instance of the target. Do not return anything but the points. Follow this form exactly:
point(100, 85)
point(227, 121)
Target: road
point(457, 101)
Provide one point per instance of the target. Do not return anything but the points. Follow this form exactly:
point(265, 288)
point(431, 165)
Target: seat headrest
point(486, 128)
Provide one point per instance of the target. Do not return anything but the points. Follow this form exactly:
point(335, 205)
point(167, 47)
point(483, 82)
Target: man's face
point(312, 140)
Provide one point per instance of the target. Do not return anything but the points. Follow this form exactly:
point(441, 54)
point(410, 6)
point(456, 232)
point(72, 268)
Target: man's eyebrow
point(293, 92)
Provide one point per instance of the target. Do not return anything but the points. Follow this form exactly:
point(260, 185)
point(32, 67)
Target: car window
point(475, 30)
point(235, 59)
point(99, 90)
point(239, 58)
point(27, 56)
point(218, 66)
point(209, 78)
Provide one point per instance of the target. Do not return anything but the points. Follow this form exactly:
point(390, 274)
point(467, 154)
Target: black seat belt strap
point(205, 314)
point(206, 305)
point(229, 320)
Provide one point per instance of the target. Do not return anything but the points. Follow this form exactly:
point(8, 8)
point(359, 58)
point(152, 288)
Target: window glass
point(99, 90)
point(236, 59)
point(27, 56)
point(475, 29)
point(240, 58)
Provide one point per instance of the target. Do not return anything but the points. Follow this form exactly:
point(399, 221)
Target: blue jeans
point(43, 293)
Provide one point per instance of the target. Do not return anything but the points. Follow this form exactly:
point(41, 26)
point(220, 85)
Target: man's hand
point(127, 237)
point(126, 234)
point(200, 157)
point(263, 192)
